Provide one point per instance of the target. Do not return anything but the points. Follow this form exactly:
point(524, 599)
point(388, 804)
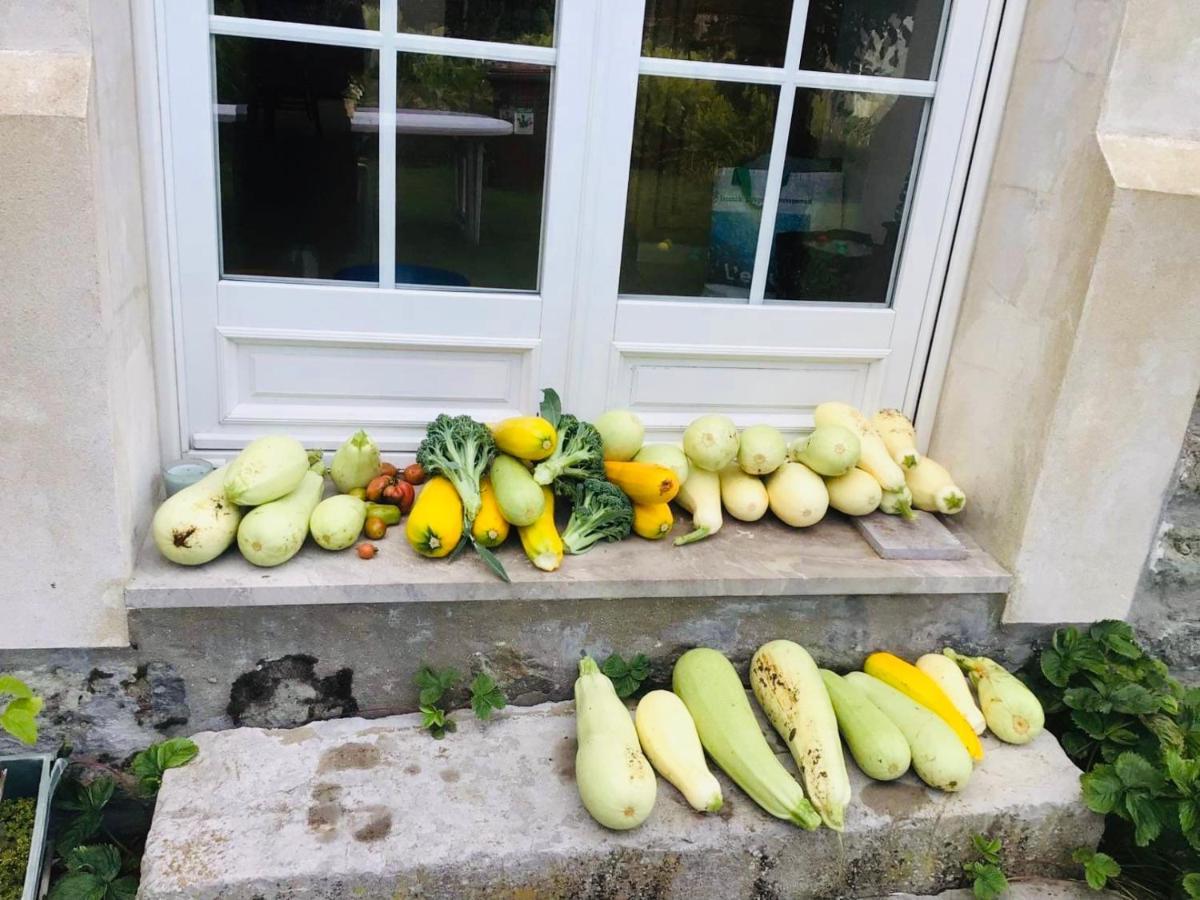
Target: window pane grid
point(801, 78)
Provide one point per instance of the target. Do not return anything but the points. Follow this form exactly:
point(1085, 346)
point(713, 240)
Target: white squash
point(337, 521)
point(273, 533)
point(829, 450)
point(701, 496)
point(899, 436)
point(898, 503)
point(269, 468)
point(761, 450)
point(666, 455)
point(873, 454)
point(197, 524)
point(711, 442)
point(797, 495)
point(933, 490)
point(949, 677)
point(856, 493)
point(668, 736)
point(744, 496)
point(614, 778)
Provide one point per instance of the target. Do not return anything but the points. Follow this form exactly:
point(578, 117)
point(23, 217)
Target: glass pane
point(470, 168)
point(896, 38)
point(700, 151)
point(752, 32)
point(509, 21)
point(299, 175)
point(849, 160)
point(342, 13)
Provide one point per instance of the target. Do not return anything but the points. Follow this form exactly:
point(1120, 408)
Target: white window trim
point(989, 90)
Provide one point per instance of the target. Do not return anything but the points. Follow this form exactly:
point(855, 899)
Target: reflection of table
point(468, 181)
point(431, 122)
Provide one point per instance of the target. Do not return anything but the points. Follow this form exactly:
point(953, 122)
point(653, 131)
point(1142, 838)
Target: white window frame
point(180, 251)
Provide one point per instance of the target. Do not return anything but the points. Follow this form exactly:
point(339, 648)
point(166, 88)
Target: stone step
point(378, 809)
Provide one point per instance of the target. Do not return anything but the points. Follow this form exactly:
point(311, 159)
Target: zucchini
point(519, 497)
point(789, 688)
point(712, 692)
point(875, 742)
point(668, 736)
point(908, 679)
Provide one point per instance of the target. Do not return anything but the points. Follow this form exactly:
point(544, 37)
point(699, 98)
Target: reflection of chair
point(405, 274)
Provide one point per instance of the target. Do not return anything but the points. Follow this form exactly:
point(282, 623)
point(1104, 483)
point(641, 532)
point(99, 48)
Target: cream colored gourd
point(744, 496)
point(898, 503)
point(701, 496)
point(938, 756)
point(788, 686)
point(337, 521)
point(856, 493)
point(828, 450)
point(899, 436)
point(273, 533)
point(949, 677)
point(668, 737)
point(877, 745)
point(269, 468)
point(761, 450)
point(665, 455)
point(1012, 711)
point(933, 490)
point(197, 524)
point(873, 454)
point(797, 495)
point(615, 780)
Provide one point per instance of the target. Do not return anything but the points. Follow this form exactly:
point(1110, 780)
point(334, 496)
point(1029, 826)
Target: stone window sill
point(763, 559)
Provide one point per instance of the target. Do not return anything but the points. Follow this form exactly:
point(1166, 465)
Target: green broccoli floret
point(601, 513)
point(461, 449)
point(579, 454)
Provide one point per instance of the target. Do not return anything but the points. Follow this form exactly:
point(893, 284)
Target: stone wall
point(1166, 609)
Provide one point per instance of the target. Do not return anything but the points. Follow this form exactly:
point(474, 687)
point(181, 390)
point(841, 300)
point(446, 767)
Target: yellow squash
point(525, 437)
point(490, 528)
point(435, 525)
point(911, 681)
point(541, 541)
point(643, 482)
point(652, 520)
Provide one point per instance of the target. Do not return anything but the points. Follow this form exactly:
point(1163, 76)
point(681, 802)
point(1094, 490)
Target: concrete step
point(378, 809)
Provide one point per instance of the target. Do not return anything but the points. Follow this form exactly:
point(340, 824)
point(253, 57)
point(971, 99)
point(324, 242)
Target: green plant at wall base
point(486, 696)
point(19, 715)
point(1135, 731)
point(626, 677)
point(151, 763)
point(1098, 867)
point(16, 838)
point(94, 872)
point(987, 878)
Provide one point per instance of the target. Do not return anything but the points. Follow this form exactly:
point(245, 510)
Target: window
point(383, 209)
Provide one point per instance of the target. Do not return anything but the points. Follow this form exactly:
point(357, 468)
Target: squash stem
point(693, 536)
point(587, 666)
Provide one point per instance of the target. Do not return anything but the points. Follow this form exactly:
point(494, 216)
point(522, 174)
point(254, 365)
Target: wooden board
point(924, 538)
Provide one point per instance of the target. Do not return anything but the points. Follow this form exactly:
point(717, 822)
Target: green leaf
point(1086, 699)
point(1143, 811)
point(626, 677)
point(98, 792)
point(1191, 884)
point(988, 849)
point(1116, 636)
point(1189, 820)
point(614, 666)
point(989, 882)
point(80, 829)
point(1077, 744)
point(639, 667)
point(492, 561)
point(20, 721)
point(433, 684)
point(14, 687)
point(101, 860)
point(486, 696)
point(79, 886)
point(151, 763)
point(1182, 772)
point(1097, 867)
point(1102, 789)
point(551, 407)
point(1056, 667)
point(1133, 699)
point(1135, 772)
point(1092, 724)
point(123, 888)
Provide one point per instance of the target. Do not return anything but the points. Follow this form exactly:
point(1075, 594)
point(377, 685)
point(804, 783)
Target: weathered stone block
point(378, 809)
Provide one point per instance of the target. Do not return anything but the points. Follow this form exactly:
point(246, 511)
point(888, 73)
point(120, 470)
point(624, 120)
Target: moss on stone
point(16, 837)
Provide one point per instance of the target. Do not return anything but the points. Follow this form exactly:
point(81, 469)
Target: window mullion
point(776, 165)
point(388, 18)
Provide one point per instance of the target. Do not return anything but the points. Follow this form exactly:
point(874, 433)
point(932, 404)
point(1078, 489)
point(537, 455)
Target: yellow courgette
point(490, 528)
point(912, 682)
point(643, 482)
point(435, 524)
point(525, 437)
point(652, 520)
point(541, 540)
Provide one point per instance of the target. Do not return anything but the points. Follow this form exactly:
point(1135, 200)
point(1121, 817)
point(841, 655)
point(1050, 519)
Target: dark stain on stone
point(286, 692)
point(894, 799)
point(449, 775)
point(564, 760)
point(526, 681)
point(324, 816)
point(158, 692)
point(377, 828)
point(727, 806)
point(326, 793)
point(349, 756)
point(764, 885)
point(412, 769)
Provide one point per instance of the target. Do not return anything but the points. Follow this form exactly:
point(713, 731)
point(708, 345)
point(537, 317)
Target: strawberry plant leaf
point(486, 696)
point(1102, 789)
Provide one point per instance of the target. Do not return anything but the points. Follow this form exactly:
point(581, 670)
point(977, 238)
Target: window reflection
point(340, 13)
point(846, 179)
point(896, 39)
point(752, 32)
point(510, 21)
point(297, 177)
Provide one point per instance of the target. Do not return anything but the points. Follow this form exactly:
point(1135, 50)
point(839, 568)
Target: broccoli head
point(601, 512)
point(461, 449)
point(579, 455)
